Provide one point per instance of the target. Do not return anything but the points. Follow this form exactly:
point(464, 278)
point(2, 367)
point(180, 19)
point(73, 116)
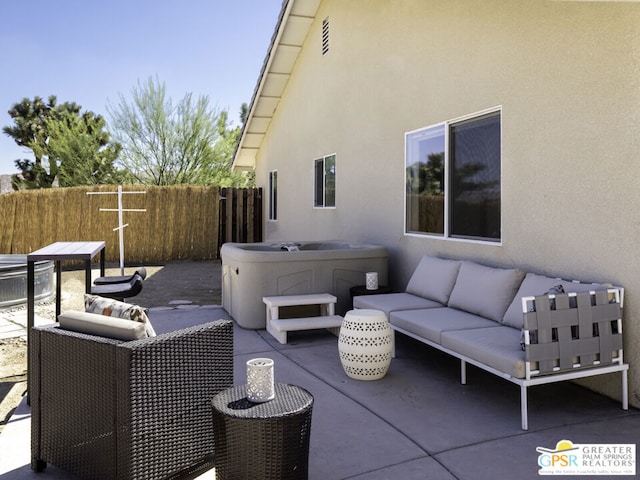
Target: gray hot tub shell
point(251, 271)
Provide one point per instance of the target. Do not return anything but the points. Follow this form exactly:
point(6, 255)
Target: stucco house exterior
point(355, 93)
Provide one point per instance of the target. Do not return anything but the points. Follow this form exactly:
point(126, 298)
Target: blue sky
point(89, 52)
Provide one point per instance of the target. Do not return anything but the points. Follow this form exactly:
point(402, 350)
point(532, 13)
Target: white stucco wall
point(567, 76)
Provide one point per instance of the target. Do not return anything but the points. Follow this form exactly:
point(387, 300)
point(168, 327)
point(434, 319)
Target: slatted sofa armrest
point(172, 379)
point(573, 330)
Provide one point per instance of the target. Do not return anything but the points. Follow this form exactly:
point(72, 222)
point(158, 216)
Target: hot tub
point(13, 280)
point(251, 271)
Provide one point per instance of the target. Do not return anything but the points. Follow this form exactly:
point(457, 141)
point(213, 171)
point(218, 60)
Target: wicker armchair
point(112, 409)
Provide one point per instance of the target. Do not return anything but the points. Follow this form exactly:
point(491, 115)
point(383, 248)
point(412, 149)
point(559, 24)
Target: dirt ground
point(196, 283)
point(13, 376)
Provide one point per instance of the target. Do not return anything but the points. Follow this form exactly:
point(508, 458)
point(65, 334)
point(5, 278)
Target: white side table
point(365, 344)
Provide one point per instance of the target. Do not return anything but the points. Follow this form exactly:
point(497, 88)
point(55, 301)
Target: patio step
point(306, 323)
point(278, 328)
point(292, 300)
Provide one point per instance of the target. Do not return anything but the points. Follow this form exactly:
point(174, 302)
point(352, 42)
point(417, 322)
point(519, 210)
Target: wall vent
point(325, 36)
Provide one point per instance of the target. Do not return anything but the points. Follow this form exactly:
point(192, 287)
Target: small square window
point(325, 181)
point(273, 195)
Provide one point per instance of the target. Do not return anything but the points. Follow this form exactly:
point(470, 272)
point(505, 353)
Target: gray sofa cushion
point(583, 287)
point(497, 347)
point(484, 290)
point(533, 285)
point(389, 302)
point(431, 323)
point(434, 278)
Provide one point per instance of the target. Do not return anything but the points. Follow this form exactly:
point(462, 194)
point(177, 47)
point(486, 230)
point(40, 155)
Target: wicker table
point(267, 440)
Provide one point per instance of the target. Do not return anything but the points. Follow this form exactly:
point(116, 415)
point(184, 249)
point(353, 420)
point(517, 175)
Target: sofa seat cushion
point(534, 285)
point(431, 323)
point(497, 347)
point(434, 278)
point(101, 325)
point(485, 291)
point(390, 302)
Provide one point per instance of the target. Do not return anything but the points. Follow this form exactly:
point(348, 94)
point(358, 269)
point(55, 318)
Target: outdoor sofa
point(527, 328)
point(108, 402)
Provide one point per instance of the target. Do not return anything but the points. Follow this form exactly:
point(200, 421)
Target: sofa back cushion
point(485, 291)
point(434, 278)
point(534, 285)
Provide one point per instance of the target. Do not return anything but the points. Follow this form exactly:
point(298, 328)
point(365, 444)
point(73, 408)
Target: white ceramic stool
point(365, 344)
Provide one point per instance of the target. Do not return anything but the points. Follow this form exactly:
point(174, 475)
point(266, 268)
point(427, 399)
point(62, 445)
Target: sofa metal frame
point(561, 341)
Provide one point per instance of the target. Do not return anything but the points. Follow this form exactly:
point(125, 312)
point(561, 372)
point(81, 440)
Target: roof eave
point(294, 22)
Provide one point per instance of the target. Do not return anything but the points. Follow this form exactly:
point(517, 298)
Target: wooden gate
point(240, 215)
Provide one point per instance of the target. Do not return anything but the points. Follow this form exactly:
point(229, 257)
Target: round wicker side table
point(365, 344)
point(267, 440)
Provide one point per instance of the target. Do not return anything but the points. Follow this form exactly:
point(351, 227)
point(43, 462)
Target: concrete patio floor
point(417, 422)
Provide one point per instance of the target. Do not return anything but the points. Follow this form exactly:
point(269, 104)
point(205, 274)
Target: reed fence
point(180, 222)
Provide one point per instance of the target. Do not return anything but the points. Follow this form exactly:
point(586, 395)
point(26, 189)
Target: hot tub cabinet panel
point(251, 271)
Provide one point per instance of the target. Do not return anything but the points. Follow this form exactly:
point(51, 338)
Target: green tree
point(29, 130)
point(167, 144)
point(219, 172)
point(82, 146)
point(59, 134)
point(244, 113)
point(427, 178)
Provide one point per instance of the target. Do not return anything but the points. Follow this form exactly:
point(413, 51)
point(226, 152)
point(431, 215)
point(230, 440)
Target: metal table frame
point(57, 252)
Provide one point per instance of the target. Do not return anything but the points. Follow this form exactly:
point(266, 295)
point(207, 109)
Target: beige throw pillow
point(95, 324)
